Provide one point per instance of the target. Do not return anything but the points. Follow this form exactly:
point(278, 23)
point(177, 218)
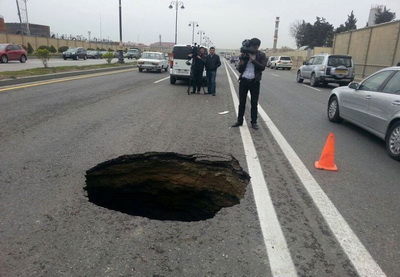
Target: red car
point(12, 52)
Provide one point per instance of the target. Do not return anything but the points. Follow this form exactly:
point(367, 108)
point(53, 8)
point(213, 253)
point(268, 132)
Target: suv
point(12, 52)
point(326, 68)
point(270, 60)
point(75, 53)
point(133, 53)
point(283, 62)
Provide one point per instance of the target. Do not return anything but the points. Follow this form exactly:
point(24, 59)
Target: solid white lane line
point(362, 260)
point(274, 75)
point(278, 253)
point(163, 79)
point(311, 87)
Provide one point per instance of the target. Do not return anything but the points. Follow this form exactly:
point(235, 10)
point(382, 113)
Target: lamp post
point(193, 23)
point(121, 54)
point(201, 33)
point(176, 4)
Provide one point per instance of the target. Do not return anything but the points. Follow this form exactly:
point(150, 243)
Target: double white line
point(278, 253)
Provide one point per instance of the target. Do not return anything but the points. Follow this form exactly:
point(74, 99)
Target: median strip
point(63, 80)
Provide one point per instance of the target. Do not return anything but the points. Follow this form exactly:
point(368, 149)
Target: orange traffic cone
point(327, 159)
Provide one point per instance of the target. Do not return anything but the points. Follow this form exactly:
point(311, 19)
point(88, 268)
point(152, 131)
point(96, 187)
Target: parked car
point(180, 64)
point(283, 62)
point(326, 68)
point(152, 61)
point(373, 105)
point(269, 60)
point(133, 53)
point(12, 52)
point(94, 54)
point(75, 53)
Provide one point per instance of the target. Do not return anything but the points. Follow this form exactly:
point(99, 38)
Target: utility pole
point(276, 33)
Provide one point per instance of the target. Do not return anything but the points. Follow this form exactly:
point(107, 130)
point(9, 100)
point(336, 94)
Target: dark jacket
point(198, 64)
point(212, 63)
point(259, 65)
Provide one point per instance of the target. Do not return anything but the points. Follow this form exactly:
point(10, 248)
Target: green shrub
point(30, 48)
point(102, 49)
point(44, 56)
point(25, 48)
point(62, 49)
point(53, 49)
point(44, 47)
point(110, 50)
point(108, 56)
point(90, 49)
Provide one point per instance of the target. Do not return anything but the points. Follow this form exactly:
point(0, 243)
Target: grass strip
point(58, 69)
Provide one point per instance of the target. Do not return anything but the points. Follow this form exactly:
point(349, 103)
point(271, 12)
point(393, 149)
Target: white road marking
point(361, 259)
point(274, 75)
point(278, 253)
point(163, 79)
point(311, 87)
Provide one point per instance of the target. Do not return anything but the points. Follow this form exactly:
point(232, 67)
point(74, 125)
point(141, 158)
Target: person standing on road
point(250, 69)
point(212, 63)
point(197, 69)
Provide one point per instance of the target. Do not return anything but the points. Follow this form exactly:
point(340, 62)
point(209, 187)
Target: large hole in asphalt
point(167, 186)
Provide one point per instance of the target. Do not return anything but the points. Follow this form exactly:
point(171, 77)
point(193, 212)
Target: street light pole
point(194, 23)
point(176, 4)
point(201, 33)
point(121, 54)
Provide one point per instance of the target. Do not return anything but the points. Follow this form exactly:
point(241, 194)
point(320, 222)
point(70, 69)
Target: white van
point(179, 68)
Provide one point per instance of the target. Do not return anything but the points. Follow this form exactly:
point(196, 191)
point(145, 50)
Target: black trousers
point(253, 86)
point(197, 79)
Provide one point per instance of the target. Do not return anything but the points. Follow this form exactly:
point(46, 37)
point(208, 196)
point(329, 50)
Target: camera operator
point(251, 64)
point(197, 68)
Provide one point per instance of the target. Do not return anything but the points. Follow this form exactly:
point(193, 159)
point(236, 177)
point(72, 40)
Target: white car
point(152, 61)
point(283, 62)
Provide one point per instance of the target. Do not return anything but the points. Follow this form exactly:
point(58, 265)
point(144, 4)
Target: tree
point(53, 49)
point(319, 34)
point(62, 49)
point(30, 48)
point(384, 15)
point(349, 25)
point(43, 55)
point(108, 56)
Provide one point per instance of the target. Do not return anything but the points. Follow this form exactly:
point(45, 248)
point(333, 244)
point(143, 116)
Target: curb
point(36, 78)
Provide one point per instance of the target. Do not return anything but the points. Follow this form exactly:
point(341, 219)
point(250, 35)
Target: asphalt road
point(51, 134)
point(36, 63)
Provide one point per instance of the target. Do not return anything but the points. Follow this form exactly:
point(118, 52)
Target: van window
point(318, 60)
point(181, 52)
point(338, 61)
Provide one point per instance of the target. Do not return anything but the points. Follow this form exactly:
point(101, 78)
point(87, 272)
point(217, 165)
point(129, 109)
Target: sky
point(226, 22)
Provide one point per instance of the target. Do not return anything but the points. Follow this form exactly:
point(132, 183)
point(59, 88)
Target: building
point(35, 29)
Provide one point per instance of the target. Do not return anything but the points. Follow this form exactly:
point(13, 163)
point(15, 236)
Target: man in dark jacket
point(197, 69)
point(250, 69)
point(212, 63)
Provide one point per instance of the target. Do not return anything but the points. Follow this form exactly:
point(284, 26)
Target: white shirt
point(249, 71)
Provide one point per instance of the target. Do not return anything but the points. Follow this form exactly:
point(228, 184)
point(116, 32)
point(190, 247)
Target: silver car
point(373, 104)
point(326, 68)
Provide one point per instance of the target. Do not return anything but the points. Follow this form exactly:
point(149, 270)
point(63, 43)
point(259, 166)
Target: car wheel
point(22, 59)
point(85, 57)
point(393, 141)
point(4, 59)
point(313, 81)
point(333, 110)
point(289, 68)
point(325, 83)
point(166, 69)
point(65, 59)
point(298, 77)
point(172, 80)
point(140, 69)
point(77, 57)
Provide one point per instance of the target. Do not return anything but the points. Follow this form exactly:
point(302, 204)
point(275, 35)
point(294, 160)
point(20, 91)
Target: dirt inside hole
point(167, 186)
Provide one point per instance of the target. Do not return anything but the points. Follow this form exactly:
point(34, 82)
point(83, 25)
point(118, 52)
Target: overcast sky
point(226, 22)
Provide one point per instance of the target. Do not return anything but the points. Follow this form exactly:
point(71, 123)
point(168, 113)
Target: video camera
point(246, 48)
point(195, 50)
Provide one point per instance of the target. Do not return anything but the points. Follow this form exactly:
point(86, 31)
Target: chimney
point(276, 33)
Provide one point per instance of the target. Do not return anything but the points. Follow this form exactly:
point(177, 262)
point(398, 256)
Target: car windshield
point(91, 52)
point(338, 61)
point(151, 56)
point(181, 52)
point(285, 58)
point(132, 51)
point(72, 50)
point(2, 46)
